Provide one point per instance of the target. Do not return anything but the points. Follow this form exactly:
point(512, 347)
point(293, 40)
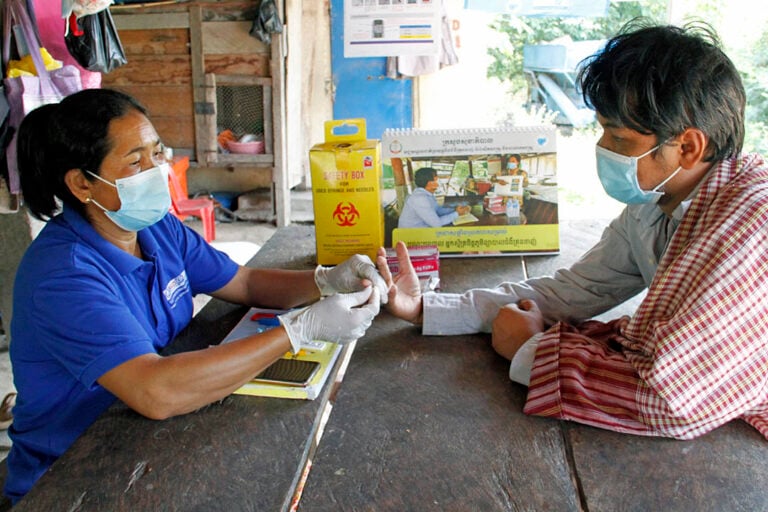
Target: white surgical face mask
point(618, 175)
point(144, 198)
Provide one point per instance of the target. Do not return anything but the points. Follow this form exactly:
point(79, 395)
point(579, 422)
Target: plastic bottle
point(513, 211)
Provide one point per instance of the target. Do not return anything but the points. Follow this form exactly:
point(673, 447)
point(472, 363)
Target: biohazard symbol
point(346, 214)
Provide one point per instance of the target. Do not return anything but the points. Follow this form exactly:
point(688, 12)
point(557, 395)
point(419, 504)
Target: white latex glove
point(336, 318)
point(346, 276)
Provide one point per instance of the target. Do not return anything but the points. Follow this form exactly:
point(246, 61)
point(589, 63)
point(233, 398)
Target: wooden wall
point(161, 53)
point(317, 80)
point(159, 74)
point(158, 44)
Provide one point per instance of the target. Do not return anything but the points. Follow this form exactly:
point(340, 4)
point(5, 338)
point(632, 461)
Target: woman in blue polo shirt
point(110, 279)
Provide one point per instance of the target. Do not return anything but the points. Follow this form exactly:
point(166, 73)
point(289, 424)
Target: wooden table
point(419, 423)
point(435, 424)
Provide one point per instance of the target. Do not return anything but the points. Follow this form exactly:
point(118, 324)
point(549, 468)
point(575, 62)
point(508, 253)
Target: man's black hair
point(662, 80)
point(424, 176)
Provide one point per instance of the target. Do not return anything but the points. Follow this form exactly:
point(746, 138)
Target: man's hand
point(513, 325)
point(404, 288)
point(463, 209)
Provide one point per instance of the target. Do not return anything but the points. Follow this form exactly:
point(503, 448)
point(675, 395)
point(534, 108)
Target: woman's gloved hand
point(340, 318)
point(349, 276)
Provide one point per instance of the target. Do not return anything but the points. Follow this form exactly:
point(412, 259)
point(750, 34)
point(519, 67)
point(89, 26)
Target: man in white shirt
point(421, 209)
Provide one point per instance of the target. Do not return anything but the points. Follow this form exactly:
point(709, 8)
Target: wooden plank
point(263, 160)
point(317, 99)
point(175, 132)
point(155, 42)
point(127, 20)
point(212, 10)
point(434, 423)
point(243, 80)
point(170, 110)
point(240, 64)
point(202, 108)
point(231, 38)
point(151, 69)
point(294, 91)
point(726, 469)
point(163, 100)
point(210, 149)
point(280, 176)
point(268, 128)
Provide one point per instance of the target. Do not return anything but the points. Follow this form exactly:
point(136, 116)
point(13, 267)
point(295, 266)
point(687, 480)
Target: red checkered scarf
point(699, 339)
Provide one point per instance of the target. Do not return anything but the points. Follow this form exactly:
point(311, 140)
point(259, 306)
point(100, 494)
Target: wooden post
point(203, 109)
point(401, 183)
point(280, 179)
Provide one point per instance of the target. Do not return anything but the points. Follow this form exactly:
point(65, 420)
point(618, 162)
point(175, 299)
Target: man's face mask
point(144, 198)
point(618, 175)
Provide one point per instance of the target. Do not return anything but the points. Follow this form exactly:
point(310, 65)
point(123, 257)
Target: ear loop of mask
point(92, 200)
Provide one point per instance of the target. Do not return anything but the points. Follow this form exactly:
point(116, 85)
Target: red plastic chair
point(182, 205)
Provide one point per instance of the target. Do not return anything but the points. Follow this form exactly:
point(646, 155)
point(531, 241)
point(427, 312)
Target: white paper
point(389, 28)
point(560, 8)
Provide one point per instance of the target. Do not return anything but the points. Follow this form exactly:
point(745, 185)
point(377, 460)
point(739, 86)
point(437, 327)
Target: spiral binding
point(400, 132)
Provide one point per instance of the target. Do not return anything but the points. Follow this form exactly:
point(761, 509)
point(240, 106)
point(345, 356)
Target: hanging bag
point(25, 93)
point(93, 41)
point(8, 203)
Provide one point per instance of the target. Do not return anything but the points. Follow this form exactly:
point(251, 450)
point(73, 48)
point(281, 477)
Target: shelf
point(226, 159)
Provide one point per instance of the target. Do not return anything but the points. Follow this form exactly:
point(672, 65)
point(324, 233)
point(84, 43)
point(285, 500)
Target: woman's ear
point(78, 184)
point(693, 147)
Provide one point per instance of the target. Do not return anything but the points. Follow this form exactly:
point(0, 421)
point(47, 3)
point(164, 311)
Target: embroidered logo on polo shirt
point(176, 288)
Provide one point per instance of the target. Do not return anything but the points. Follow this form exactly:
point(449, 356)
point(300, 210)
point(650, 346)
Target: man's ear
point(693, 147)
point(78, 184)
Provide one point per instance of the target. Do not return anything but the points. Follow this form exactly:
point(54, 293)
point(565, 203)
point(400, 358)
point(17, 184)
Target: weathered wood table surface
point(417, 424)
point(435, 424)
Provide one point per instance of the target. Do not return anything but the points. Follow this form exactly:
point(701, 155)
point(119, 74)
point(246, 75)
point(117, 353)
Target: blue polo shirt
point(82, 307)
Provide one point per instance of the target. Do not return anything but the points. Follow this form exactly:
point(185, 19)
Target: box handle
point(345, 130)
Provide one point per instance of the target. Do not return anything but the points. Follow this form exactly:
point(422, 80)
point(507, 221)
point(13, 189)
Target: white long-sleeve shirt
point(618, 267)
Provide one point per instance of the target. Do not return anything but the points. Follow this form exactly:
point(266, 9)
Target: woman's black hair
point(72, 134)
point(662, 80)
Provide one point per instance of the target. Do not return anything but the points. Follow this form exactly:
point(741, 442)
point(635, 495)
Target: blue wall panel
point(362, 87)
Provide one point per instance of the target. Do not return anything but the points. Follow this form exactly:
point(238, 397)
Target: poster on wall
point(388, 28)
point(559, 8)
point(483, 192)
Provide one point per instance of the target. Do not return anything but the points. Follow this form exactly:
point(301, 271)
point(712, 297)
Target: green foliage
point(507, 64)
point(755, 74)
point(507, 61)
